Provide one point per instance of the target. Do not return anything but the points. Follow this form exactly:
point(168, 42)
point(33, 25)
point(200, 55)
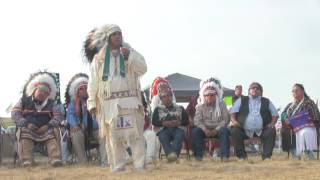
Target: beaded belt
point(122, 94)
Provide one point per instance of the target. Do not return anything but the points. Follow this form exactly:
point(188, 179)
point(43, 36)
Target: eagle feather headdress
point(156, 85)
point(99, 38)
point(41, 78)
point(211, 84)
point(73, 85)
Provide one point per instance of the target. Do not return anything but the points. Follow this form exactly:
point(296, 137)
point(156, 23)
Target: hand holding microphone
point(125, 52)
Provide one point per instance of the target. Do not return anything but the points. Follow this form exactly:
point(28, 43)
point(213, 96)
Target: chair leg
point(1, 146)
point(317, 144)
point(317, 147)
point(187, 150)
point(210, 148)
point(88, 155)
point(160, 156)
point(17, 149)
point(15, 157)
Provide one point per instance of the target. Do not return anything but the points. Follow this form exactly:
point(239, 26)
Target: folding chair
point(88, 148)
point(317, 143)
point(39, 147)
point(90, 144)
point(185, 145)
point(66, 146)
point(16, 148)
point(210, 144)
point(1, 141)
point(250, 141)
point(253, 141)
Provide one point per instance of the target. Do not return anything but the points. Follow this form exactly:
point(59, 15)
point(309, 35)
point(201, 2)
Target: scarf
point(106, 67)
point(296, 108)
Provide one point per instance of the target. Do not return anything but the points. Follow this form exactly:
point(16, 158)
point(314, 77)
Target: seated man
point(211, 119)
point(83, 127)
point(152, 141)
point(169, 118)
point(37, 115)
point(251, 116)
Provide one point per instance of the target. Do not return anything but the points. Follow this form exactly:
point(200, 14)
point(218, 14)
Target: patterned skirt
point(26, 133)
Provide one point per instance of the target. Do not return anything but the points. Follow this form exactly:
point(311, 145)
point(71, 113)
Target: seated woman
point(37, 115)
point(83, 127)
point(300, 120)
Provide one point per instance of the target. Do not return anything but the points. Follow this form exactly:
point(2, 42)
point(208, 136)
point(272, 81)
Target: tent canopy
point(184, 87)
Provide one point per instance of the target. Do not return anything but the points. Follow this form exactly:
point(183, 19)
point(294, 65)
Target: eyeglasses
point(255, 87)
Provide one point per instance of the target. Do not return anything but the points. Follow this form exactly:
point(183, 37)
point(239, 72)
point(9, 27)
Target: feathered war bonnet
point(41, 79)
point(98, 38)
point(74, 84)
point(158, 85)
point(211, 86)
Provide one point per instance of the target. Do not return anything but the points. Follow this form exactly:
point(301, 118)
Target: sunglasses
point(211, 95)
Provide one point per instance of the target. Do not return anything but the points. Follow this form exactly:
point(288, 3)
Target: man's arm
point(137, 63)
point(225, 116)
point(56, 116)
point(233, 113)
point(155, 118)
point(16, 115)
point(72, 119)
point(198, 118)
point(274, 114)
point(93, 85)
point(234, 121)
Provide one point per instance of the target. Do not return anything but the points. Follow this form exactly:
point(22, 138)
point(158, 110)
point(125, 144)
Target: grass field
point(254, 168)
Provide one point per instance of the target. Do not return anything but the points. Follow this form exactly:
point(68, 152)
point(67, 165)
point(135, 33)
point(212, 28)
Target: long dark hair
point(302, 88)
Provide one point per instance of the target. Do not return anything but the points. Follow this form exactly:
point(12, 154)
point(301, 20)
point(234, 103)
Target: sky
point(274, 42)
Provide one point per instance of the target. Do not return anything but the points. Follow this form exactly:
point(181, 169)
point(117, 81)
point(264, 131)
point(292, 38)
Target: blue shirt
point(254, 122)
point(73, 120)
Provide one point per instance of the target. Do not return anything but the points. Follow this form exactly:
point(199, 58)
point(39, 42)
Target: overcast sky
point(274, 42)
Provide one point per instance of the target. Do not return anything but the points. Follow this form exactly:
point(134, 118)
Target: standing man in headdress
point(83, 127)
point(114, 94)
point(37, 116)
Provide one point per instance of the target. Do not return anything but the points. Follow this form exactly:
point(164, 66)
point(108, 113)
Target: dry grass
point(254, 168)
